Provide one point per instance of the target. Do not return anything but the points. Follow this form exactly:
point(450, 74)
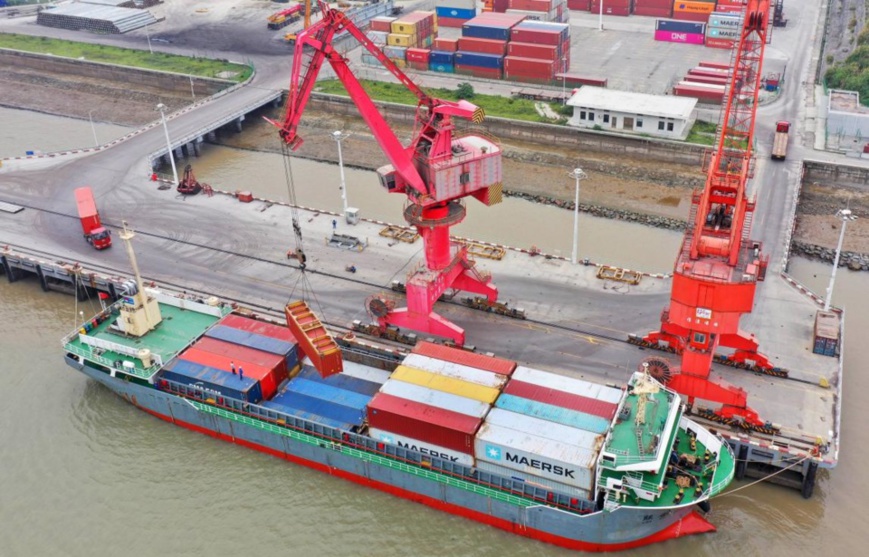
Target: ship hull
point(622, 529)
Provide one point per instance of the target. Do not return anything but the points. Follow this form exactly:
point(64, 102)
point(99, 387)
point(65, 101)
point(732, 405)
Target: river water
point(84, 473)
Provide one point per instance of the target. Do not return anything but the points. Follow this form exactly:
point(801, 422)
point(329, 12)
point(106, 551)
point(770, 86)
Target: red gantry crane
point(435, 171)
point(718, 267)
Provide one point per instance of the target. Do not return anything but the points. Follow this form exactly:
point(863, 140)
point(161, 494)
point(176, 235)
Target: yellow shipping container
point(403, 27)
point(445, 384)
point(399, 62)
point(397, 39)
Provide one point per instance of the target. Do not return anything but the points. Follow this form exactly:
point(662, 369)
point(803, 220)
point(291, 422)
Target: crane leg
point(430, 323)
point(470, 282)
point(746, 349)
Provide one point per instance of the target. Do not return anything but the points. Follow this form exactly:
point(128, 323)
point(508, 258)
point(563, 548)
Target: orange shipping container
point(693, 7)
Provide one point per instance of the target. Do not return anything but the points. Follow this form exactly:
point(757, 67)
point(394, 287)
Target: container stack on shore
point(673, 31)
point(455, 13)
point(541, 10)
point(696, 10)
point(723, 30)
point(537, 51)
point(683, 10)
point(706, 82)
point(653, 8)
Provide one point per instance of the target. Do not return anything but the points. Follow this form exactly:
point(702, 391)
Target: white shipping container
point(567, 384)
point(544, 428)
point(462, 4)
point(549, 16)
point(421, 446)
point(536, 481)
point(537, 456)
point(378, 37)
point(438, 399)
point(457, 371)
point(359, 371)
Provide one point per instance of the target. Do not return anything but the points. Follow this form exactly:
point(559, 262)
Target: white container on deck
point(535, 455)
point(359, 371)
point(536, 481)
point(546, 429)
point(567, 384)
point(438, 399)
point(456, 371)
point(416, 445)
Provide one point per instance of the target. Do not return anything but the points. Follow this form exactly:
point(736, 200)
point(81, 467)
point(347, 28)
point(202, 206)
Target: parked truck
point(94, 231)
point(780, 141)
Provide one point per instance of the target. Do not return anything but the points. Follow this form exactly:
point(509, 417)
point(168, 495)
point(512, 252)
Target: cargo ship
point(569, 462)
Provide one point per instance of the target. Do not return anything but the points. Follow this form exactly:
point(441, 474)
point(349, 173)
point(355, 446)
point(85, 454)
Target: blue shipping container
point(218, 381)
point(501, 33)
point(443, 68)
point(441, 57)
point(320, 407)
point(680, 26)
point(552, 413)
point(292, 411)
point(479, 60)
point(328, 393)
point(252, 340)
point(340, 381)
point(457, 13)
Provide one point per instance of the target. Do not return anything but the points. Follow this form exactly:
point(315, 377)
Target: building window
point(669, 126)
point(639, 122)
point(606, 118)
point(661, 126)
point(582, 115)
point(591, 116)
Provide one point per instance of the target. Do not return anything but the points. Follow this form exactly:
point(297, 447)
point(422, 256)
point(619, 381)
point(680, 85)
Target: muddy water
point(84, 473)
point(22, 131)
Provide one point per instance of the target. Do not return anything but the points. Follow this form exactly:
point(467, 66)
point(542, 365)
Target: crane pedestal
point(446, 266)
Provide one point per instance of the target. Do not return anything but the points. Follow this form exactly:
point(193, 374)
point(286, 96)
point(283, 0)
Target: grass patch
point(702, 133)
point(203, 67)
point(494, 105)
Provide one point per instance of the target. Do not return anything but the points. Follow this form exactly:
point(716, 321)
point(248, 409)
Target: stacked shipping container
point(540, 10)
point(454, 13)
point(694, 10)
point(729, 6)
point(653, 8)
point(612, 7)
point(537, 51)
point(672, 31)
point(723, 30)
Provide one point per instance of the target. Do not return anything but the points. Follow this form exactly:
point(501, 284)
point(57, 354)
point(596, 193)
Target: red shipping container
point(241, 353)
point(465, 358)
point(452, 22)
point(709, 72)
point(445, 45)
point(595, 5)
point(717, 65)
point(653, 4)
point(382, 24)
point(500, 6)
point(418, 66)
point(417, 55)
point(653, 12)
point(720, 43)
point(563, 399)
point(530, 5)
point(574, 79)
point(708, 93)
point(269, 378)
point(529, 67)
point(437, 426)
point(476, 71)
point(579, 5)
point(535, 36)
point(729, 9)
point(538, 51)
point(485, 46)
point(690, 16)
point(610, 10)
point(258, 327)
point(706, 79)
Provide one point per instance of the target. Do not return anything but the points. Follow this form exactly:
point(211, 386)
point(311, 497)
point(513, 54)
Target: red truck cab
point(94, 231)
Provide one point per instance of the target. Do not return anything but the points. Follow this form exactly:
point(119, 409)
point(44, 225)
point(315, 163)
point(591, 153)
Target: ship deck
point(178, 329)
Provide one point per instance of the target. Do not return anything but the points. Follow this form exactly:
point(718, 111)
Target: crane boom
point(436, 170)
point(717, 270)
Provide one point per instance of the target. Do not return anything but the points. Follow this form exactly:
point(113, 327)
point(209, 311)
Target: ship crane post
point(718, 266)
point(436, 171)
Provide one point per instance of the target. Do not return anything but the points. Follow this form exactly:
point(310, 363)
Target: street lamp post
point(845, 215)
point(563, 79)
point(577, 174)
point(600, 20)
point(339, 136)
point(148, 36)
point(93, 128)
point(162, 108)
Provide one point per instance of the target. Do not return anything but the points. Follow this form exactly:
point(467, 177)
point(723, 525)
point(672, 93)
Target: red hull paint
point(689, 525)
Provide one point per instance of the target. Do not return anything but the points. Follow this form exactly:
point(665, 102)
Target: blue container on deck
point(255, 341)
point(340, 381)
point(441, 57)
point(282, 403)
point(552, 413)
point(676, 26)
point(458, 13)
point(215, 381)
point(495, 32)
point(327, 401)
point(476, 59)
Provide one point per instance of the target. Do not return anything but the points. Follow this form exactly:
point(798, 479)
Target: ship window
point(464, 177)
point(699, 338)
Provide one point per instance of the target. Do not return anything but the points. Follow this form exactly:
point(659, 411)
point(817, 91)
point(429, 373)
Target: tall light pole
point(563, 79)
point(148, 36)
point(339, 136)
point(600, 20)
point(93, 128)
point(845, 215)
point(162, 108)
point(577, 174)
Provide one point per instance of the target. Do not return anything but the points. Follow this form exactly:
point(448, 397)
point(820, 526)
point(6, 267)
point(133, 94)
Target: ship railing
point(511, 491)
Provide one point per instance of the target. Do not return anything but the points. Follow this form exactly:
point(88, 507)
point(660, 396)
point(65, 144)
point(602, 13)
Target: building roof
point(846, 101)
point(664, 106)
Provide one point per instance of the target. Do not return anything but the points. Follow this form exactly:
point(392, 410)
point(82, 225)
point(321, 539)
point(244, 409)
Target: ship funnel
point(145, 355)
